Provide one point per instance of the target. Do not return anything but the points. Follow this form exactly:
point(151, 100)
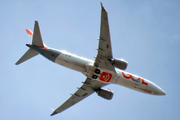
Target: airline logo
point(129, 76)
point(105, 77)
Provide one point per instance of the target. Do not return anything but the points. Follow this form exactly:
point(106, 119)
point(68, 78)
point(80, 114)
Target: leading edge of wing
point(84, 91)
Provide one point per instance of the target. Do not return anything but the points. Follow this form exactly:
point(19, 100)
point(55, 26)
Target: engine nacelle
point(107, 94)
point(119, 63)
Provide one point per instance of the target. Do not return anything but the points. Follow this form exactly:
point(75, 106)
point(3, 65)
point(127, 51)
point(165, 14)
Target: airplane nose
point(161, 92)
point(156, 90)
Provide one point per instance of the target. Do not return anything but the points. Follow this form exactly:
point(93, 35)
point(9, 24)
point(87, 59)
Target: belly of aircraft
point(73, 62)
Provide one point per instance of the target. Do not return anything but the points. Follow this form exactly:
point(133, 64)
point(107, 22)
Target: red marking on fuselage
point(105, 77)
point(129, 76)
point(143, 82)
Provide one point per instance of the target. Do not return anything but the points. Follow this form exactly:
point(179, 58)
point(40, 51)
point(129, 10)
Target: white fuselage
point(119, 77)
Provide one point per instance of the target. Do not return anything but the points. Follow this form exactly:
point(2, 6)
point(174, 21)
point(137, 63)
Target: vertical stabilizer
point(37, 39)
point(29, 54)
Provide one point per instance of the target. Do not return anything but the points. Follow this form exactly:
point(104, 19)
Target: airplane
point(99, 73)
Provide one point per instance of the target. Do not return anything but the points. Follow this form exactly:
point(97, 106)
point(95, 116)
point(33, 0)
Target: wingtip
point(54, 113)
point(102, 6)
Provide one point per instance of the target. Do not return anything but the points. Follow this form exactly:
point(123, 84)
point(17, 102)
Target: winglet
point(29, 32)
point(101, 4)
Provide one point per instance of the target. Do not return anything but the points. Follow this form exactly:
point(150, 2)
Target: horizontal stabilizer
point(29, 54)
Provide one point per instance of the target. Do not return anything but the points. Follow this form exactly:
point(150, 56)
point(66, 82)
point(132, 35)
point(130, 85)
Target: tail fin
point(36, 41)
point(29, 54)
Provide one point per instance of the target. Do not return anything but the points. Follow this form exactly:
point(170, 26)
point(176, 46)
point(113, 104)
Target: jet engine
point(119, 63)
point(107, 94)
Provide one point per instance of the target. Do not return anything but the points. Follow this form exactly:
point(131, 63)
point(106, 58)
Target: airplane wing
point(104, 49)
point(84, 91)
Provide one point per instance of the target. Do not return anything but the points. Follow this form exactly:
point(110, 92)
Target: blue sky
point(144, 33)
